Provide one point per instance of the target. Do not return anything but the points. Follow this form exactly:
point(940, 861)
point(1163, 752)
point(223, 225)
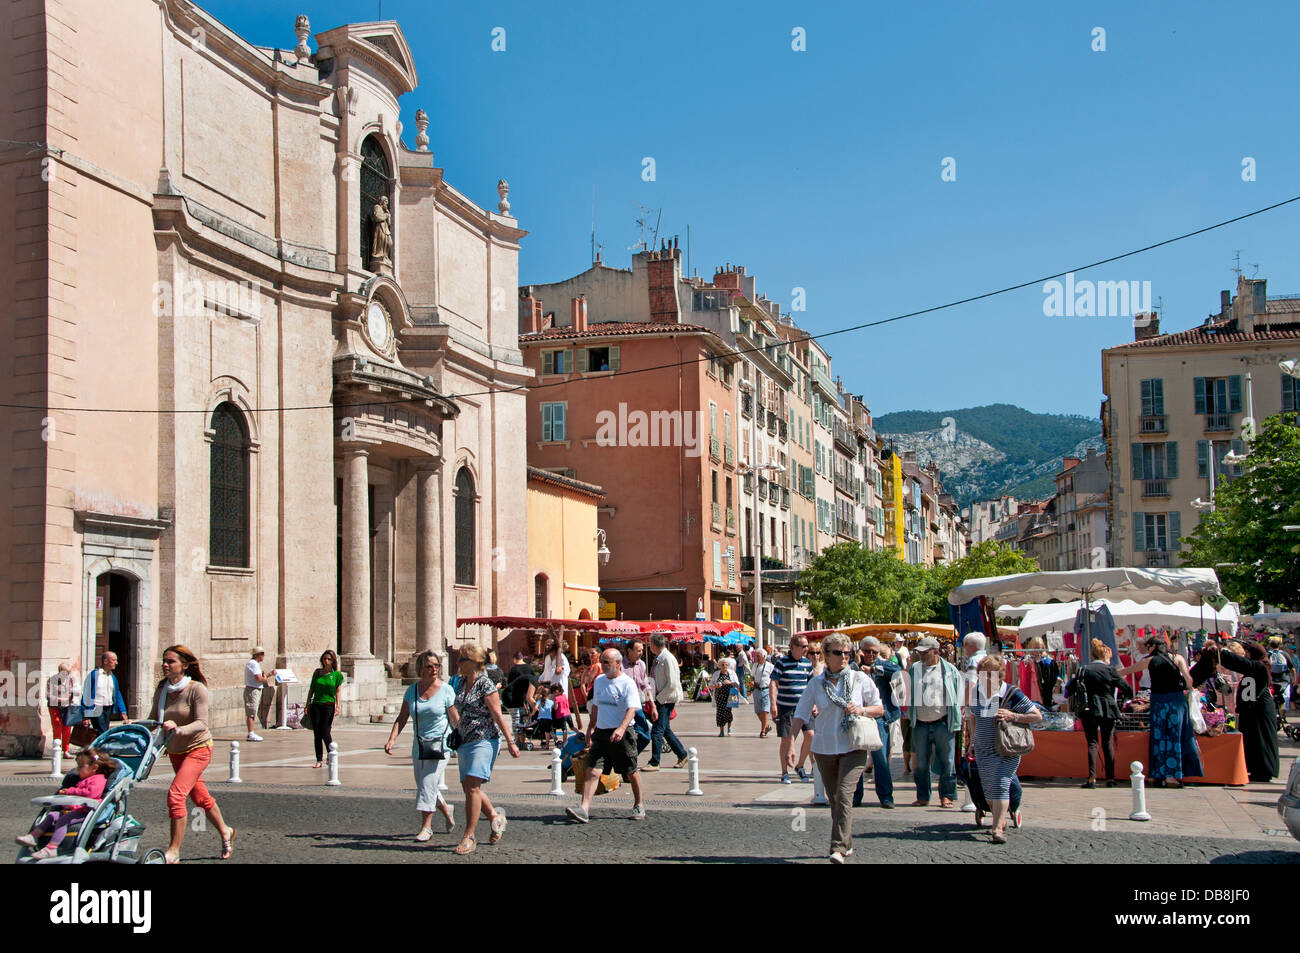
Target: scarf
point(842, 700)
point(171, 690)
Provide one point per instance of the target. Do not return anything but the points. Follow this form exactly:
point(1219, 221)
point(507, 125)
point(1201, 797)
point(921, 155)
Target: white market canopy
point(1137, 585)
point(1060, 616)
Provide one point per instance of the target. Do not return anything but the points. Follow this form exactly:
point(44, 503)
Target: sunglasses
point(818, 654)
point(870, 652)
point(838, 653)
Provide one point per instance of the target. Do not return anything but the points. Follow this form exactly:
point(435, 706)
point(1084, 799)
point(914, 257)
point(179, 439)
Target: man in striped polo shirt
point(790, 674)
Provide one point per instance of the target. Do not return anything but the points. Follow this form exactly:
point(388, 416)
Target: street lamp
point(602, 551)
point(1289, 367)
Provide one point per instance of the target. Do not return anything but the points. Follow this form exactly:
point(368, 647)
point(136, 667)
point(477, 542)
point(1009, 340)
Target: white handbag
point(864, 733)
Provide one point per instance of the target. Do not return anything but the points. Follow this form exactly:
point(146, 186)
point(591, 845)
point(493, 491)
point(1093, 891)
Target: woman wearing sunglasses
point(838, 695)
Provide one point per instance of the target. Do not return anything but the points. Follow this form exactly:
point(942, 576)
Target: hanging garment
point(1048, 672)
point(1028, 681)
point(1101, 626)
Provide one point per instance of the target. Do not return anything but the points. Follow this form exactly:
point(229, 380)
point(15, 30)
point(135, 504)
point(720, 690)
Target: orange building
point(659, 437)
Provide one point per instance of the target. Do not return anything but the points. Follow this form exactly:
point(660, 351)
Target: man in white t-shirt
point(615, 700)
point(255, 683)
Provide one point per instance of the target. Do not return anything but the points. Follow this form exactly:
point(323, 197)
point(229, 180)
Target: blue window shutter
point(546, 421)
point(557, 424)
point(1198, 386)
point(1234, 394)
point(1138, 472)
point(1139, 532)
point(1158, 396)
point(1171, 459)
point(1175, 530)
point(1203, 459)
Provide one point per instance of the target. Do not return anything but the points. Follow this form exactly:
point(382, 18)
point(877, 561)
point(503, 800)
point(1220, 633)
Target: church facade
point(259, 386)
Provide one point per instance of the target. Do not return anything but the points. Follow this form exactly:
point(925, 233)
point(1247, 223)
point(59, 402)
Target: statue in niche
point(382, 245)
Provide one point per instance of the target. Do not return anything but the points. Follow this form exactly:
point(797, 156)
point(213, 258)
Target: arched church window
point(228, 488)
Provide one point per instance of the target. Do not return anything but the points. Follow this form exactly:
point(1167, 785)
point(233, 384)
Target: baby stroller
point(109, 833)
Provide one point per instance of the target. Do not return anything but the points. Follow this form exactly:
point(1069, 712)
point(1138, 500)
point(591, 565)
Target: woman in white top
point(762, 679)
point(837, 695)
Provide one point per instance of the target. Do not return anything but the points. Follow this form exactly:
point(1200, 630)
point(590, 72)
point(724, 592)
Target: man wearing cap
point(936, 695)
point(882, 671)
point(255, 683)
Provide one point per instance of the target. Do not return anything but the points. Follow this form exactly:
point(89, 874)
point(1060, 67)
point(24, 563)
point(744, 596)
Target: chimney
point(1146, 324)
point(530, 311)
point(1225, 302)
point(578, 313)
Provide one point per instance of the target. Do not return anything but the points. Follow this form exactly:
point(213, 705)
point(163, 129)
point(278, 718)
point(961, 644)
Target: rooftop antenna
point(596, 247)
point(641, 224)
point(1236, 268)
point(1256, 267)
point(655, 239)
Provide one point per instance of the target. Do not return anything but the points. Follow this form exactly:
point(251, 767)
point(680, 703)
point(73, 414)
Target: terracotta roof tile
point(1219, 332)
point(568, 483)
point(611, 329)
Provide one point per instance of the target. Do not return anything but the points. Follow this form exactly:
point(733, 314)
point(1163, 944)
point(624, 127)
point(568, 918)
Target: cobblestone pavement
point(289, 827)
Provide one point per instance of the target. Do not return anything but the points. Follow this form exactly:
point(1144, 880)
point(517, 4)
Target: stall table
point(1064, 754)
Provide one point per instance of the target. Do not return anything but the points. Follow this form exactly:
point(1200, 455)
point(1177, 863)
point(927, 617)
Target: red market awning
point(683, 630)
point(575, 625)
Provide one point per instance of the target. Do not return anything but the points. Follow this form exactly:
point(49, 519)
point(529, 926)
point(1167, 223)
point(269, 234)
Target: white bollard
point(56, 759)
point(819, 787)
point(693, 772)
point(1139, 793)
point(968, 806)
point(334, 765)
point(234, 764)
point(557, 786)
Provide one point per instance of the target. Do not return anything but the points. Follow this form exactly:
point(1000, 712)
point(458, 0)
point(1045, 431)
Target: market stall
point(1147, 599)
point(530, 635)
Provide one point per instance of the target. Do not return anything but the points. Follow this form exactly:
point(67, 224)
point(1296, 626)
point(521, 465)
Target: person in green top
point(323, 702)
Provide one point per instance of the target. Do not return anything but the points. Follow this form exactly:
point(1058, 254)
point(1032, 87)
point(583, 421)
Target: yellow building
point(562, 545)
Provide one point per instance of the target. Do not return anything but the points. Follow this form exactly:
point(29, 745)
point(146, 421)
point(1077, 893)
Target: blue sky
point(821, 169)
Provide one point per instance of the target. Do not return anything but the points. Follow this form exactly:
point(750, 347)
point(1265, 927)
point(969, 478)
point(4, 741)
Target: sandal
point(228, 845)
point(979, 817)
point(171, 858)
point(467, 846)
point(998, 837)
point(498, 828)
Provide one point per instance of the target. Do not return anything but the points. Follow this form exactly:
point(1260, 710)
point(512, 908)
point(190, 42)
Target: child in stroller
point(94, 768)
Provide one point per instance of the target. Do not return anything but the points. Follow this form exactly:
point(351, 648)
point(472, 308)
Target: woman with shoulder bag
point(997, 708)
point(323, 704)
point(1098, 710)
point(844, 733)
point(430, 702)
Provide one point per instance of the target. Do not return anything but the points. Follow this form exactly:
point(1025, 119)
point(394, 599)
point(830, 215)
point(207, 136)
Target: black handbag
point(430, 749)
point(453, 739)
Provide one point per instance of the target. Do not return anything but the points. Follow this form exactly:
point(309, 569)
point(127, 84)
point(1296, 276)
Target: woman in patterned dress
point(720, 692)
point(993, 703)
point(478, 719)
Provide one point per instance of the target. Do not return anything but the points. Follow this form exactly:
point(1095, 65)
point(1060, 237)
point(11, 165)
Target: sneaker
point(45, 853)
point(577, 814)
point(423, 835)
point(681, 762)
point(638, 812)
point(887, 805)
point(785, 779)
point(254, 737)
point(803, 775)
point(651, 767)
point(837, 857)
point(26, 840)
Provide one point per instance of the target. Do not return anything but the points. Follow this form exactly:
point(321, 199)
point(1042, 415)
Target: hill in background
point(984, 452)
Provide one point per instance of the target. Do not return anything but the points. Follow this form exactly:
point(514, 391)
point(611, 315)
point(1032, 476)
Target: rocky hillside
point(984, 452)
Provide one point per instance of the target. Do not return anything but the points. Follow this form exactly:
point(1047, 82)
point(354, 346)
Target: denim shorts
point(762, 701)
point(477, 757)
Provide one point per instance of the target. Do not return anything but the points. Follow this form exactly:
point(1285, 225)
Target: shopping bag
point(733, 700)
point(608, 782)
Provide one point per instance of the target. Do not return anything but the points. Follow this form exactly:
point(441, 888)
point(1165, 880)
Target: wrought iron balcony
point(715, 449)
point(747, 482)
point(1217, 423)
point(845, 438)
point(1155, 488)
point(1158, 559)
point(731, 521)
point(717, 515)
point(783, 430)
point(771, 422)
point(1153, 423)
point(729, 455)
point(846, 528)
point(746, 403)
point(785, 498)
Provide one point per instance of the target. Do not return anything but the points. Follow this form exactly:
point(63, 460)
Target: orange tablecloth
point(1064, 754)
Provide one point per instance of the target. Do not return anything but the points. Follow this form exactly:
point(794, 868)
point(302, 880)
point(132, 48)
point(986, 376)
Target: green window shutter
point(1203, 459)
point(1158, 397)
point(1146, 399)
point(557, 422)
point(1234, 394)
point(1239, 447)
point(1138, 472)
point(1198, 388)
point(1171, 460)
point(546, 421)
point(582, 360)
point(615, 358)
point(548, 362)
point(1175, 531)
point(1139, 532)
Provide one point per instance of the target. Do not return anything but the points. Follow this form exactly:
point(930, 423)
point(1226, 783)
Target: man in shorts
point(790, 674)
point(614, 702)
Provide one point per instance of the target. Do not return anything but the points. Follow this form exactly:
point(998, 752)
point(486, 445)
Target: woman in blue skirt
point(1174, 753)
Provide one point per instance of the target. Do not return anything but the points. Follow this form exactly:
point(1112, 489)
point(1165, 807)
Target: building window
point(465, 533)
point(376, 184)
point(541, 596)
point(228, 504)
point(1153, 397)
point(1217, 395)
point(1155, 461)
point(1290, 394)
point(553, 422)
point(557, 362)
point(1157, 532)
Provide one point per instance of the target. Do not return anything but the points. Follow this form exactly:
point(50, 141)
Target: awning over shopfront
point(612, 626)
point(1137, 585)
point(1059, 616)
point(913, 631)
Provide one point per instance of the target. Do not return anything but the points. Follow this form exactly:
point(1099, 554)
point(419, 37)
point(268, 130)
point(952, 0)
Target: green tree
point(989, 558)
point(847, 583)
point(1243, 539)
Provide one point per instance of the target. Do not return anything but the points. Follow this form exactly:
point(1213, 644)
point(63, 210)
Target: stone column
point(356, 554)
point(428, 554)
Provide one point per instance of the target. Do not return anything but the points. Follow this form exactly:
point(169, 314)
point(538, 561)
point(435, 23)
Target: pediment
point(383, 44)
